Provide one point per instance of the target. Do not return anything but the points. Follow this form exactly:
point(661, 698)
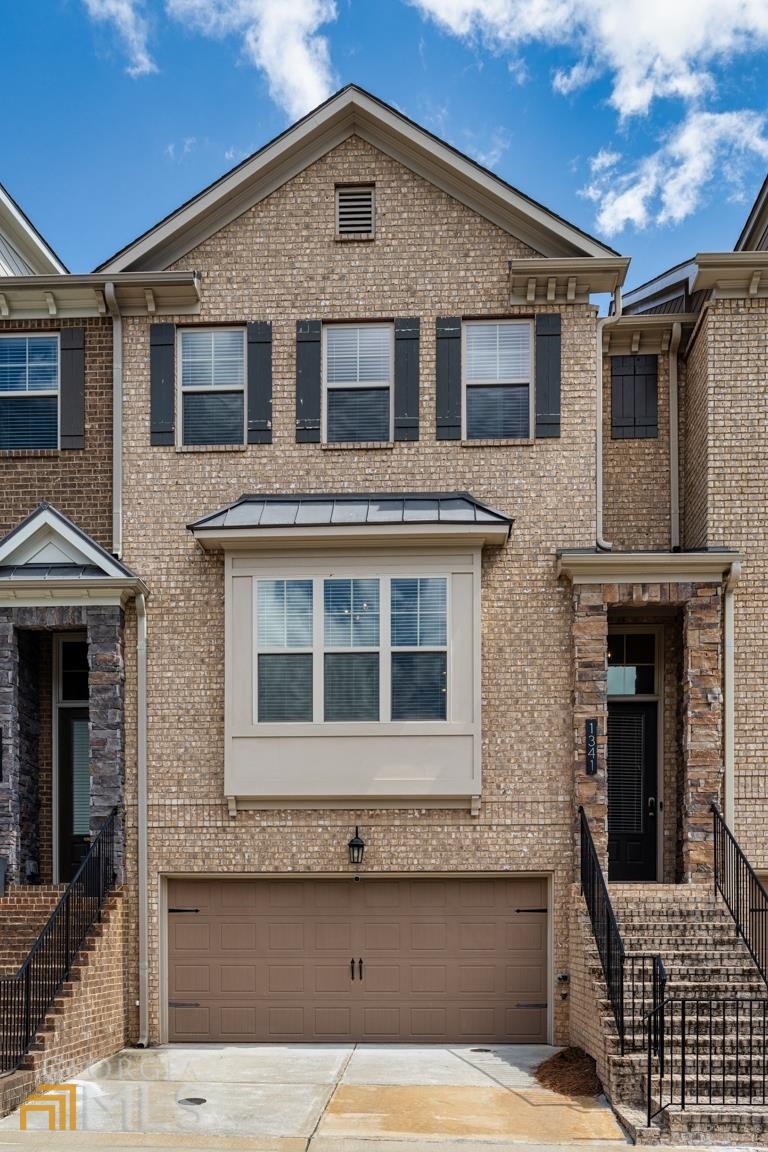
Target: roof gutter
point(605, 322)
point(117, 418)
point(674, 441)
point(141, 818)
point(729, 677)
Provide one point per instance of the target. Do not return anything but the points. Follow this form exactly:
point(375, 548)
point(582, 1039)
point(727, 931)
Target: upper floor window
point(212, 380)
point(357, 374)
point(496, 362)
point(631, 664)
point(634, 397)
point(29, 392)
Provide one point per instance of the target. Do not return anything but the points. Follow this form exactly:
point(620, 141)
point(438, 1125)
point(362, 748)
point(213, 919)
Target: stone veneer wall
point(279, 261)
point(21, 734)
point(700, 781)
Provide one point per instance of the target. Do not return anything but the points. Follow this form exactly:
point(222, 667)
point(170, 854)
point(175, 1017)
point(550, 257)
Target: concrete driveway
point(337, 1098)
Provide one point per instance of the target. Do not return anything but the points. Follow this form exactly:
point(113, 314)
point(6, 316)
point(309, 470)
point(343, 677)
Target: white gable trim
point(25, 239)
point(349, 112)
point(47, 537)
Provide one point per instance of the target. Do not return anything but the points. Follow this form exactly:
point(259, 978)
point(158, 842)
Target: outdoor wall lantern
point(356, 848)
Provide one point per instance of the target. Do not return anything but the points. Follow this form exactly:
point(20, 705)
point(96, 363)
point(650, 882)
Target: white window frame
point(517, 322)
point(350, 385)
point(332, 762)
point(182, 390)
point(385, 648)
point(38, 392)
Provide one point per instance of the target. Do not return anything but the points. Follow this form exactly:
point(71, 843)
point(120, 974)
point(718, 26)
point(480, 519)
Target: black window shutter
point(260, 382)
point(162, 382)
point(407, 379)
point(548, 374)
point(634, 397)
point(448, 377)
point(308, 375)
point(72, 388)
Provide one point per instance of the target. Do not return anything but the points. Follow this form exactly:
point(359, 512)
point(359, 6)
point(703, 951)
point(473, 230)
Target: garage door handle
point(360, 968)
point(352, 968)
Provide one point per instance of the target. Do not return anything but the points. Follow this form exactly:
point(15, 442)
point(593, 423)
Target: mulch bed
point(570, 1073)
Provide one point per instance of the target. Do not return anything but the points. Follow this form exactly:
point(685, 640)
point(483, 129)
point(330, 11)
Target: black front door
point(632, 801)
point(74, 790)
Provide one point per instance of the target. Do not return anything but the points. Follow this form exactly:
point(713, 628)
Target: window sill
point(30, 453)
point(211, 447)
point(501, 442)
point(352, 445)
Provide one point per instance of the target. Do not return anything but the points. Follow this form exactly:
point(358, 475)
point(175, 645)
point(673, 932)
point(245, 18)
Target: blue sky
point(643, 122)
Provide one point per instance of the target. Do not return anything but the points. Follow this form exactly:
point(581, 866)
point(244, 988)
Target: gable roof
point(47, 555)
point(352, 111)
point(23, 251)
point(754, 234)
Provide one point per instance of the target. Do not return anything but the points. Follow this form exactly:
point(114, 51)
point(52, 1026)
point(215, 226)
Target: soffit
point(336, 519)
point(354, 112)
point(732, 274)
point(591, 567)
point(130, 294)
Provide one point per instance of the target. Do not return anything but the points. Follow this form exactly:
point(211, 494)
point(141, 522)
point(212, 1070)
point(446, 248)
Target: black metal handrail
point(604, 927)
point(709, 1051)
point(26, 997)
point(645, 980)
point(744, 895)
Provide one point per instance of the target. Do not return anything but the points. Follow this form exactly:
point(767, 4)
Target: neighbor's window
point(212, 374)
point(29, 392)
point(634, 397)
point(324, 654)
point(496, 361)
point(358, 382)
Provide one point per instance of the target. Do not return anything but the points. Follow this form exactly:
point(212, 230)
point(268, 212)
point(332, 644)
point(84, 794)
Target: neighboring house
point(428, 557)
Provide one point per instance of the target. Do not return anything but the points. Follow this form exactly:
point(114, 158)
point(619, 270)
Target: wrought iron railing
point(709, 1051)
point(645, 983)
point(604, 927)
point(26, 997)
point(744, 895)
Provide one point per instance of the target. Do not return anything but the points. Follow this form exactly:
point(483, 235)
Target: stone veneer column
point(702, 728)
point(106, 698)
point(590, 700)
point(10, 814)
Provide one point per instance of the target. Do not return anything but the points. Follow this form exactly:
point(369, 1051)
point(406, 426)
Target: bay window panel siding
point(284, 687)
point(351, 686)
point(498, 412)
point(357, 415)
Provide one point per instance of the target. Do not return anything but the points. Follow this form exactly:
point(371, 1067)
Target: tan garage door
point(375, 960)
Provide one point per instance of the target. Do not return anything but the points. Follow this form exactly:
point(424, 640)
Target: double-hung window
point(341, 649)
point(357, 374)
point(497, 370)
point(29, 392)
point(212, 384)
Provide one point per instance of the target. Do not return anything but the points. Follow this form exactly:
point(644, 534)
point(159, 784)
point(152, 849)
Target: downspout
point(117, 419)
point(601, 544)
point(141, 817)
point(674, 442)
point(728, 688)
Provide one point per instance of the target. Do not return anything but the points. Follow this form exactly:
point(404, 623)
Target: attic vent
point(354, 211)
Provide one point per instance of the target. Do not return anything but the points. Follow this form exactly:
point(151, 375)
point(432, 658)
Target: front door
point(74, 790)
point(632, 783)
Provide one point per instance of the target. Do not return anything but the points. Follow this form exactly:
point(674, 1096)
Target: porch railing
point(744, 895)
point(26, 997)
point(710, 1051)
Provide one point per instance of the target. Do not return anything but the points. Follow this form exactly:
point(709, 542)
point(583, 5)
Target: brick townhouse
point(411, 557)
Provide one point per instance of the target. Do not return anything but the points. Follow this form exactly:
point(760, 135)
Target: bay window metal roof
point(322, 516)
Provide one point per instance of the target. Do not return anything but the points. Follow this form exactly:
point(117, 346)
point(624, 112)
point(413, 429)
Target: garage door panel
point(443, 960)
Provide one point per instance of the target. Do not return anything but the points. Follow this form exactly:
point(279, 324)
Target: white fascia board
point(353, 112)
point(732, 274)
point(645, 567)
point(754, 235)
point(618, 336)
point(25, 238)
point(27, 297)
point(89, 593)
point(361, 535)
point(46, 523)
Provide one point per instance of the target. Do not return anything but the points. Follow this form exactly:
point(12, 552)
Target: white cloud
point(671, 183)
point(131, 27)
point(279, 36)
point(651, 48)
